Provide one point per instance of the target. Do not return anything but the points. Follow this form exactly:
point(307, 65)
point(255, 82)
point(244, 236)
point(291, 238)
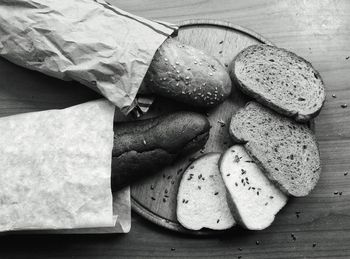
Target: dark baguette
point(187, 75)
point(143, 147)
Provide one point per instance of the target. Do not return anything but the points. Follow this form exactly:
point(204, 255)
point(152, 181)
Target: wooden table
point(316, 30)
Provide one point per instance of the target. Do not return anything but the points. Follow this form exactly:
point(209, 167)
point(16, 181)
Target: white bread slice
point(253, 199)
point(201, 199)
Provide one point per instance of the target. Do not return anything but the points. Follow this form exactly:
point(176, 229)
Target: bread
point(284, 149)
point(253, 199)
point(280, 80)
point(143, 147)
point(201, 199)
point(187, 75)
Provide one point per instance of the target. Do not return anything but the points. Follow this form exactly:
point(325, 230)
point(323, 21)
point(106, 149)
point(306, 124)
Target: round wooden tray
point(155, 197)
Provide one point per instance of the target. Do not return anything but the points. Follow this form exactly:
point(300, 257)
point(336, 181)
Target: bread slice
point(201, 199)
point(280, 80)
point(286, 150)
point(253, 199)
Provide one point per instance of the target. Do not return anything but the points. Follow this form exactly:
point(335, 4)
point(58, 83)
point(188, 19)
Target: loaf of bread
point(187, 75)
point(144, 147)
point(284, 149)
point(201, 199)
point(253, 199)
point(280, 80)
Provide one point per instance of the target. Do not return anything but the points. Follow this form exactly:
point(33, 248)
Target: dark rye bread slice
point(280, 80)
point(285, 150)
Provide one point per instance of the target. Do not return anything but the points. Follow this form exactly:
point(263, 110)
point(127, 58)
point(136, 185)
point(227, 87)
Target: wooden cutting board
point(155, 198)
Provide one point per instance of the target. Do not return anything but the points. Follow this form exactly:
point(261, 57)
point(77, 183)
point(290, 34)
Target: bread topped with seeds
point(253, 199)
point(201, 199)
point(280, 80)
point(187, 75)
point(285, 150)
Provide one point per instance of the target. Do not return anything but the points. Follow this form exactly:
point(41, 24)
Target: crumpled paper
point(90, 41)
point(56, 169)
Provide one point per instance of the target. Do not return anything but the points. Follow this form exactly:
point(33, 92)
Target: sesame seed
point(257, 242)
point(187, 77)
point(153, 198)
point(221, 42)
point(344, 105)
point(189, 68)
point(195, 62)
point(144, 142)
point(346, 173)
point(314, 244)
point(172, 249)
point(334, 96)
point(177, 63)
point(216, 193)
point(228, 174)
point(218, 221)
point(220, 51)
point(164, 199)
point(210, 74)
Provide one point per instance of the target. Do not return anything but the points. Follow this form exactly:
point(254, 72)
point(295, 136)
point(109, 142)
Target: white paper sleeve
point(90, 41)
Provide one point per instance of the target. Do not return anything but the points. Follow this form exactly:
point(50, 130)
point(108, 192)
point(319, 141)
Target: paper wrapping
point(90, 41)
point(56, 169)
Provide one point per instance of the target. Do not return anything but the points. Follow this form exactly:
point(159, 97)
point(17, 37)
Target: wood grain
point(316, 30)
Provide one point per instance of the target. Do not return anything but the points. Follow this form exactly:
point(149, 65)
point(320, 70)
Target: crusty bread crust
point(251, 81)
